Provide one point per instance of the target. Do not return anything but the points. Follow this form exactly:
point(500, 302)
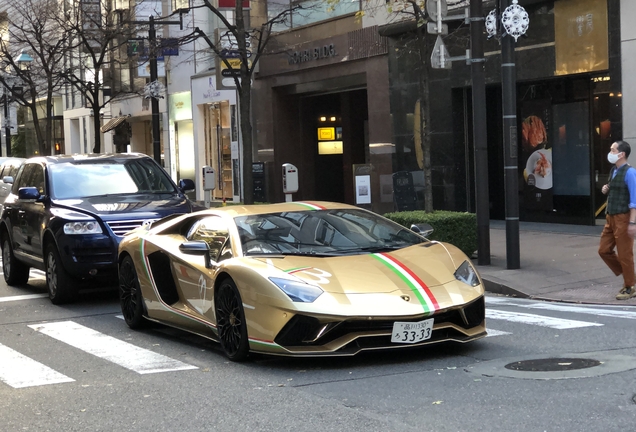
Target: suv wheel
point(62, 287)
point(15, 272)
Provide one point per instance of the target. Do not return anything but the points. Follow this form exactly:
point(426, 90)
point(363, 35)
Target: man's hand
point(605, 189)
point(631, 230)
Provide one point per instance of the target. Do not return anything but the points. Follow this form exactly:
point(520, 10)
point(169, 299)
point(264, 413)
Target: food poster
point(536, 155)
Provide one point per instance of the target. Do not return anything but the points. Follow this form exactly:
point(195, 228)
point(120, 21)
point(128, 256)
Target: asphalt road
point(106, 377)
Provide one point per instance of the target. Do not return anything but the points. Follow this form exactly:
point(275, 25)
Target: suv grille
point(121, 228)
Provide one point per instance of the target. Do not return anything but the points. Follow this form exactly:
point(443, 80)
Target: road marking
point(543, 321)
point(131, 357)
point(492, 332)
point(35, 274)
point(20, 371)
point(613, 313)
point(22, 297)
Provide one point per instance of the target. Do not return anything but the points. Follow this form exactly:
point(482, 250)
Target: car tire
point(130, 297)
point(15, 272)
point(230, 321)
point(62, 286)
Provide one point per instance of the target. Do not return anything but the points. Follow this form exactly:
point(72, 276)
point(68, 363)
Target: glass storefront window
point(218, 147)
point(309, 11)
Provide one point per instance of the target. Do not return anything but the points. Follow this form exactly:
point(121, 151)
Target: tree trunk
point(36, 125)
point(425, 118)
point(96, 121)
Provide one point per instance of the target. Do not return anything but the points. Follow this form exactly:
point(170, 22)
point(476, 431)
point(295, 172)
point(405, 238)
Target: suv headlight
point(298, 291)
point(467, 274)
point(82, 227)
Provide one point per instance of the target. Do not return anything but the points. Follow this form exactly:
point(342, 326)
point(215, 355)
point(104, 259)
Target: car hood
point(141, 205)
point(416, 268)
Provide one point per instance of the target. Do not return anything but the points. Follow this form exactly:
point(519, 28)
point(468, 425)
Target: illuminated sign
point(329, 147)
point(326, 134)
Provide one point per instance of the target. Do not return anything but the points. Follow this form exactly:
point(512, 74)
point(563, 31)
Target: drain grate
point(552, 364)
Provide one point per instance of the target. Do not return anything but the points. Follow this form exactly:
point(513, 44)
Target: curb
point(498, 288)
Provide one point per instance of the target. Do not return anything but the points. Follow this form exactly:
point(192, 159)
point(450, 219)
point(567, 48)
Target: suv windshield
point(80, 180)
point(323, 232)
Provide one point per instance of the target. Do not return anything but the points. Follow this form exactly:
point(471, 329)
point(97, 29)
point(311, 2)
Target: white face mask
point(612, 157)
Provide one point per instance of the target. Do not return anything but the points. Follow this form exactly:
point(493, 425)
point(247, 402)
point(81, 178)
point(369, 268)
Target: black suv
point(66, 215)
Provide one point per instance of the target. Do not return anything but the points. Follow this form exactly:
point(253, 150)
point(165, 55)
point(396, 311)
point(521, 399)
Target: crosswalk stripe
point(131, 357)
point(539, 320)
point(22, 297)
point(613, 313)
point(20, 371)
point(493, 332)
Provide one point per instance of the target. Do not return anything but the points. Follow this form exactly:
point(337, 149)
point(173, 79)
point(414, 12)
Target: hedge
point(457, 228)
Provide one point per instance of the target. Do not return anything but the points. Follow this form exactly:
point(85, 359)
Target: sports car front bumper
point(306, 335)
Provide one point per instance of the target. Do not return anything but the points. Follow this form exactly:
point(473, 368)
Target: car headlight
point(298, 291)
point(467, 274)
point(82, 227)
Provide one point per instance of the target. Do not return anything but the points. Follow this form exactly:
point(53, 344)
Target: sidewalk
point(558, 263)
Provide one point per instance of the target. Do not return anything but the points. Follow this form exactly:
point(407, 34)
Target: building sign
point(327, 133)
point(316, 53)
point(231, 4)
point(581, 36)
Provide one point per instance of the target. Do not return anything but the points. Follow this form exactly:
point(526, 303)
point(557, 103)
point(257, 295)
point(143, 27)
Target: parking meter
point(208, 184)
point(290, 181)
point(208, 178)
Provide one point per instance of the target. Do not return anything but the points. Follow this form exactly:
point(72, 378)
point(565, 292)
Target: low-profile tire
point(130, 297)
point(62, 286)
point(15, 272)
point(230, 321)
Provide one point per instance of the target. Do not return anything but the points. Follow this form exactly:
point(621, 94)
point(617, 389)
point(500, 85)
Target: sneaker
point(626, 293)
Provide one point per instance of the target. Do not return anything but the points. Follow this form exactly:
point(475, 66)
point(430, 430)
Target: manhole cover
point(552, 364)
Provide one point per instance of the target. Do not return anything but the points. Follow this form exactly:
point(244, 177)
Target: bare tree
point(32, 27)
point(96, 39)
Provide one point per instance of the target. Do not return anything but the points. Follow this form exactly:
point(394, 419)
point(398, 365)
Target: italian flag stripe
point(419, 288)
point(296, 269)
point(310, 205)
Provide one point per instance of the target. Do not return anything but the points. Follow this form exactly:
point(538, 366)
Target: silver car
point(8, 170)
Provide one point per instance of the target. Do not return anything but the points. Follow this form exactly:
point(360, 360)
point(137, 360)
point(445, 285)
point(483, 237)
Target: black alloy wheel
point(15, 272)
point(230, 321)
point(130, 297)
point(62, 286)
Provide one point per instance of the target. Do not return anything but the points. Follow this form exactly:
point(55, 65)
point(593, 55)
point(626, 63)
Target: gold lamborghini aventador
point(299, 279)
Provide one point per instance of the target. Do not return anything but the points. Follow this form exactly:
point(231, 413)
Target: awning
point(113, 123)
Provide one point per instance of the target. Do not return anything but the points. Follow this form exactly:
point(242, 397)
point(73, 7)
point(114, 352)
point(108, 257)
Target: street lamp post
point(509, 21)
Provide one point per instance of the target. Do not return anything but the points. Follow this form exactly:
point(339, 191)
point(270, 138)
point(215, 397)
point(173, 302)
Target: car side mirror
point(197, 247)
point(7, 179)
point(422, 229)
point(186, 185)
point(29, 193)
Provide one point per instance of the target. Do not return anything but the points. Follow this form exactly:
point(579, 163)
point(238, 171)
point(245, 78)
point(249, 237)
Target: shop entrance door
point(336, 137)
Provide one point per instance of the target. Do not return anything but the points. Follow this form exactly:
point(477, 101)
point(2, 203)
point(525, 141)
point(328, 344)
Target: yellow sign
point(326, 133)
point(581, 36)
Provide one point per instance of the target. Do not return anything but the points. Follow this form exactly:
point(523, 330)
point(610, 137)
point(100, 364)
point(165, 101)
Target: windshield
point(72, 180)
point(323, 232)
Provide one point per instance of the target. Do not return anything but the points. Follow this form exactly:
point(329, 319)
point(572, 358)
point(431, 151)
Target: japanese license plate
point(412, 332)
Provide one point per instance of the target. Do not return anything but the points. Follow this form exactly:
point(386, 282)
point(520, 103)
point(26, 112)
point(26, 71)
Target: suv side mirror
point(7, 179)
point(29, 193)
point(186, 185)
